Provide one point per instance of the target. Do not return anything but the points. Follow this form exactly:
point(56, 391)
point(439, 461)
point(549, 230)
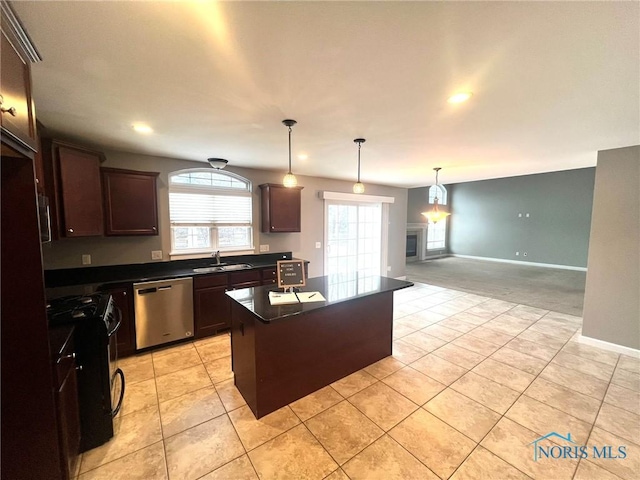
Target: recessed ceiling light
point(142, 128)
point(459, 97)
point(303, 156)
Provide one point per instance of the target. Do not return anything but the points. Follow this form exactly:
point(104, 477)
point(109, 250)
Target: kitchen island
point(285, 352)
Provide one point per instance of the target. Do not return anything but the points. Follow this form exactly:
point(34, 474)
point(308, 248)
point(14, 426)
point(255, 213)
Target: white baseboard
point(403, 277)
point(613, 347)
point(518, 262)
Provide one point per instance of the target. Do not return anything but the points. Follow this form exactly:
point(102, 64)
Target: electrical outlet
point(525, 254)
point(520, 215)
point(86, 259)
point(527, 215)
point(156, 254)
point(264, 248)
point(318, 244)
point(388, 268)
point(517, 254)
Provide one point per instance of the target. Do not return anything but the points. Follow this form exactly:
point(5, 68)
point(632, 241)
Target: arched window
point(209, 210)
point(438, 191)
point(437, 232)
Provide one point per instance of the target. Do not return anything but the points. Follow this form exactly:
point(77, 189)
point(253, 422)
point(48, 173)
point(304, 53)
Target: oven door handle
point(115, 411)
point(117, 325)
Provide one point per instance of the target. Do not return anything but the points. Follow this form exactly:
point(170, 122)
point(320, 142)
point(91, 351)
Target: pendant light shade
point(435, 214)
point(217, 163)
point(358, 187)
point(289, 179)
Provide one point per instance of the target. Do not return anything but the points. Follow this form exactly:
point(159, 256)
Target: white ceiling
point(553, 83)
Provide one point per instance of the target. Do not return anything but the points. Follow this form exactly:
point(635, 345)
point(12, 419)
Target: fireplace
point(412, 245)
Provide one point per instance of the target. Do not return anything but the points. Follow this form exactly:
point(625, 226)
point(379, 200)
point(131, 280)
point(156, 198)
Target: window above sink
point(210, 210)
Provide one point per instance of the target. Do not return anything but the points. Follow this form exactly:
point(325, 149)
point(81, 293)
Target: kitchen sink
point(238, 266)
point(222, 268)
point(208, 269)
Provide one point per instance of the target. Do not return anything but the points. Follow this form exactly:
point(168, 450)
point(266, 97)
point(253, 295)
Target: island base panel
point(282, 361)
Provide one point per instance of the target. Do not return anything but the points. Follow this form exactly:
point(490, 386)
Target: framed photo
point(291, 273)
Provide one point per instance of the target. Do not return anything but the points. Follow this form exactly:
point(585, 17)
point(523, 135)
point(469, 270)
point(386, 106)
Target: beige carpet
point(548, 288)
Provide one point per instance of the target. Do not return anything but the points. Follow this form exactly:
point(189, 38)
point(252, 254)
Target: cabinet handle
point(79, 368)
point(70, 230)
point(71, 355)
point(154, 229)
point(11, 111)
point(272, 227)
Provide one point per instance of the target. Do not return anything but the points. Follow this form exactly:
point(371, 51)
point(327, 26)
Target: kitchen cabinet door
point(122, 297)
point(269, 276)
point(69, 421)
point(130, 202)
point(212, 310)
point(17, 115)
point(80, 192)
point(280, 208)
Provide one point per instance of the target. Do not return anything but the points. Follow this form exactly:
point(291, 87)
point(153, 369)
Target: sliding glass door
point(354, 237)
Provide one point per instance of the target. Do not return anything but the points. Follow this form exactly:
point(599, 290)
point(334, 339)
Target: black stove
point(70, 309)
point(100, 381)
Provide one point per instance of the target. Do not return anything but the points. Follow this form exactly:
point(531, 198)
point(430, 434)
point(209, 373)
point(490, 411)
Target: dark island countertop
point(335, 289)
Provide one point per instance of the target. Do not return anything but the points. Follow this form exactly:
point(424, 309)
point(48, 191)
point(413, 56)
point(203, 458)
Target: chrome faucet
point(216, 255)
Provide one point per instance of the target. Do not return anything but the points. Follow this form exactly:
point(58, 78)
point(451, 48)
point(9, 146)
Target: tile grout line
point(504, 414)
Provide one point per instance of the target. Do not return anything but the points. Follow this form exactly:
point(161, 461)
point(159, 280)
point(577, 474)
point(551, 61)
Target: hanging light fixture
point(217, 163)
point(289, 179)
point(435, 214)
point(358, 187)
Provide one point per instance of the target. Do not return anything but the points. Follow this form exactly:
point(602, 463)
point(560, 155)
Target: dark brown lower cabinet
point(123, 298)
point(211, 308)
point(66, 388)
point(269, 276)
point(67, 398)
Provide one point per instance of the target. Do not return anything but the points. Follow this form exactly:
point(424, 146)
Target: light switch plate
point(86, 259)
point(264, 248)
point(318, 245)
point(156, 254)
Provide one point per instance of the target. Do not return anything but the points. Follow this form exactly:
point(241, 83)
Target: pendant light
point(217, 163)
point(358, 187)
point(289, 179)
point(435, 214)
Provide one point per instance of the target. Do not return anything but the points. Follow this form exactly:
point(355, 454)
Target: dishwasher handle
point(145, 291)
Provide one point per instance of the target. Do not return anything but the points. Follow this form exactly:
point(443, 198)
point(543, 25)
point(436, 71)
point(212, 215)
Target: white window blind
point(205, 208)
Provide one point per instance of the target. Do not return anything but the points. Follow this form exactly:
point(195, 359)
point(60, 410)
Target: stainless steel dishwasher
point(164, 311)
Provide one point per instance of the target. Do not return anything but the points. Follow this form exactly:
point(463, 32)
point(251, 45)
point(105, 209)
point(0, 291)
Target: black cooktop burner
point(75, 308)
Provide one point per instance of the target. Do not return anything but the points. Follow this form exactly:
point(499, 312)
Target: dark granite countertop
point(335, 289)
point(142, 272)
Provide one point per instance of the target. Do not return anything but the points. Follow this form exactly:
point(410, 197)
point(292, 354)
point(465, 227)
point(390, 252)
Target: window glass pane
point(438, 191)
point(191, 237)
point(234, 237)
point(436, 235)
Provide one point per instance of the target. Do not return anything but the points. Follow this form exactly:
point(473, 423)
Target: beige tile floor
point(471, 383)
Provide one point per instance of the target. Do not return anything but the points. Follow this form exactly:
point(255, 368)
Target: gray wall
point(66, 253)
point(485, 221)
point(611, 301)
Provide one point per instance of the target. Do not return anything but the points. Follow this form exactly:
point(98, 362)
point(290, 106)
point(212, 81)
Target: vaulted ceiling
point(552, 83)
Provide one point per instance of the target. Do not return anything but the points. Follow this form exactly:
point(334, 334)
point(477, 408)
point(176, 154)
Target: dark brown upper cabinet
point(130, 202)
point(72, 179)
point(18, 118)
point(281, 208)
